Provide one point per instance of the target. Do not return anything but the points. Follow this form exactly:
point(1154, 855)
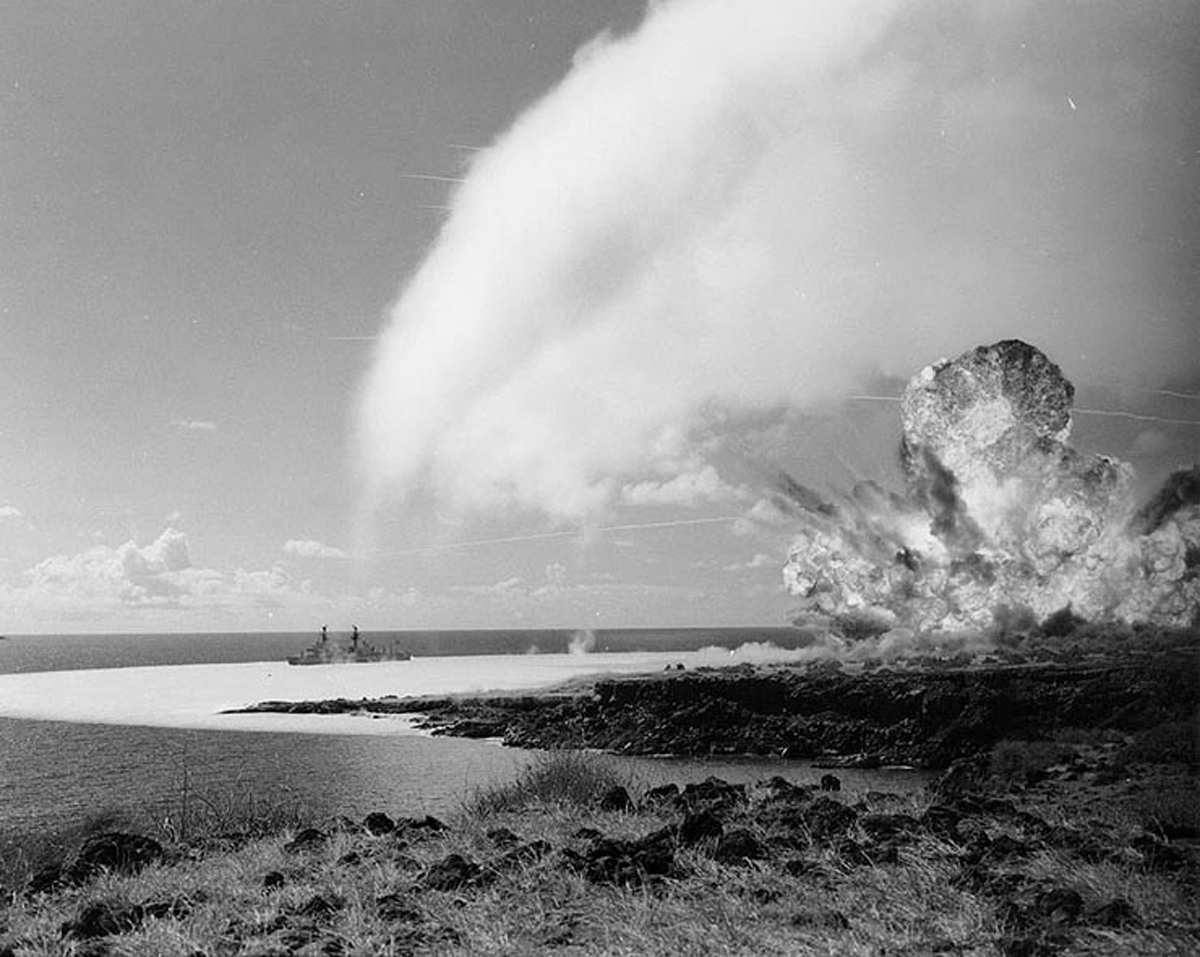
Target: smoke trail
point(750, 203)
point(563, 533)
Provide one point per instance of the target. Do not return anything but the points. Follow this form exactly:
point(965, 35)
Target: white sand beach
point(193, 696)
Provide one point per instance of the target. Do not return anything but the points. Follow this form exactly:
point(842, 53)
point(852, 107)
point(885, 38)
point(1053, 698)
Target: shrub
point(235, 813)
point(573, 778)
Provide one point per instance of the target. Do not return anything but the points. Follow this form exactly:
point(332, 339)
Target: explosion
point(1000, 514)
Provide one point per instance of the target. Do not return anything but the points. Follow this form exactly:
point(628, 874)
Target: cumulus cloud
point(193, 425)
point(754, 203)
point(308, 548)
point(701, 486)
point(104, 579)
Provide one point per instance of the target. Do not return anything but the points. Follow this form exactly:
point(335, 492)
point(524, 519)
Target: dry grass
point(362, 894)
point(570, 778)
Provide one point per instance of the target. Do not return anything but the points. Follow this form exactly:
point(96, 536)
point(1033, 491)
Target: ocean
point(108, 722)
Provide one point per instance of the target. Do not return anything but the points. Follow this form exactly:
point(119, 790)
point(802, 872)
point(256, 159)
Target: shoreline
point(919, 717)
point(214, 697)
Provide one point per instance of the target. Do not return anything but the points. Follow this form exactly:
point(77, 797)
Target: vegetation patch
point(552, 863)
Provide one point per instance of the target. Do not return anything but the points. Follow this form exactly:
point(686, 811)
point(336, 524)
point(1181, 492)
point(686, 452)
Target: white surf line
point(565, 533)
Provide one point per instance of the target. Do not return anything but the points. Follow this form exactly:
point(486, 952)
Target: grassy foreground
point(569, 859)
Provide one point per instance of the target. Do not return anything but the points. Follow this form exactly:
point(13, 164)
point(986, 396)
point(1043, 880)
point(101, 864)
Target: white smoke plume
point(583, 642)
point(754, 203)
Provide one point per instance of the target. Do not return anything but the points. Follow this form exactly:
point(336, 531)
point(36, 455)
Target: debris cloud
point(753, 203)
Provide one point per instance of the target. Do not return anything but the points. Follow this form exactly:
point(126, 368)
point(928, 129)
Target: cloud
point(764, 515)
point(105, 580)
point(10, 511)
point(193, 425)
point(758, 561)
point(750, 204)
point(688, 489)
point(308, 548)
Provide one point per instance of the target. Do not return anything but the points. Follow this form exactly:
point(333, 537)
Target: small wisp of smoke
point(583, 642)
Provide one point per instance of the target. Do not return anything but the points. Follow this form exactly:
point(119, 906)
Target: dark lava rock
point(47, 880)
point(628, 863)
point(1029, 947)
point(616, 799)
point(739, 846)
point(429, 824)
point(450, 873)
point(781, 789)
point(1006, 848)
point(1060, 906)
point(826, 818)
point(821, 920)
point(319, 907)
point(712, 794)
point(273, 880)
point(503, 837)
point(700, 826)
point(115, 852)
point(379, 823)
point(307, 840)
point(880, 827)
point(102, 919)
point(1115, 913)
point(851, 853)
point(884, 852)
point(800, 866)
point(940, 820)
point(529, 853)
point(397, 909)
point(661, 795)
point(830, 782)
point(173, 908)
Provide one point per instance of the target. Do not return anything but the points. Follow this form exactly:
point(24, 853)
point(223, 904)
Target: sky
point(508, 313)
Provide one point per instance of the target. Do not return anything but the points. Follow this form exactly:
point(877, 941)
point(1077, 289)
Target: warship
point(329, 651)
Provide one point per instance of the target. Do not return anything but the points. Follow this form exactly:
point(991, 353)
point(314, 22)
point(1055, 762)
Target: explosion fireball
point(1000, 515)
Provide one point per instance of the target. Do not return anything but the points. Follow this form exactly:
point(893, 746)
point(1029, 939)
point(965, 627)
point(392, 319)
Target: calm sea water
point(54, 773)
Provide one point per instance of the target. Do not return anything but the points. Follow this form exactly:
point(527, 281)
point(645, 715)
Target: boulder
point(114, 852)
point(451, 873)
point(700, 826)
point(616, 798)
point(102, 919)
point(739, 846)
point(378, 823)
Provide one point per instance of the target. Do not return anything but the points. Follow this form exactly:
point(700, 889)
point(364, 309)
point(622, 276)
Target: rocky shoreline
point(926, 715)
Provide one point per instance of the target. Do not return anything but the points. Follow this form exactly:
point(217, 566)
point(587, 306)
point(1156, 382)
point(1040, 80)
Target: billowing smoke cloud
point(750, 203)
